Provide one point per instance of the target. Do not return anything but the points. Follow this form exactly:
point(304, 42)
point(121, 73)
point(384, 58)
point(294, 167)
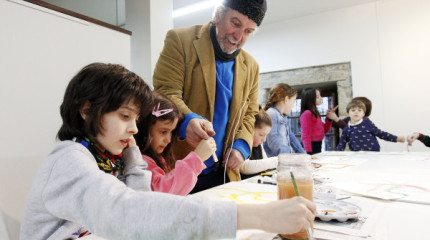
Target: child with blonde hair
point(360, 134)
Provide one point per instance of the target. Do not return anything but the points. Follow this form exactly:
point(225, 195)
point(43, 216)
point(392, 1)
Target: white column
point(149, 20)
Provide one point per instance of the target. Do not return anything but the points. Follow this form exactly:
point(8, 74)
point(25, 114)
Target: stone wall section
point(338, 74)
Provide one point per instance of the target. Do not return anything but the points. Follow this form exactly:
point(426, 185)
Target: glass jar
point(298, 165)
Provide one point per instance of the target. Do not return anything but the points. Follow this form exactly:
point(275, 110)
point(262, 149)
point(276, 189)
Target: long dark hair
point(106, 87)
point(308, 98)
point(279, 93)
point(143, 138)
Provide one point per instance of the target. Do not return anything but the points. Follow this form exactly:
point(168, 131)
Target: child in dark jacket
point(361, 134)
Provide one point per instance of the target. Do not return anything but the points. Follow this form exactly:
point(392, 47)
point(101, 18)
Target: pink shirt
point(313, 129)
point(181, 180)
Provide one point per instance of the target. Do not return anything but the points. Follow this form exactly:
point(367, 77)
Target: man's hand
point(199, 129)
point(235, 159)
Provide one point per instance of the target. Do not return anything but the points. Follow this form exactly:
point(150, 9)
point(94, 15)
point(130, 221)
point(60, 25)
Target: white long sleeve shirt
point(258, 165)
point(71, 192)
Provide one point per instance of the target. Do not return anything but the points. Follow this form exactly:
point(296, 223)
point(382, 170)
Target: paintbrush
point(296, 189)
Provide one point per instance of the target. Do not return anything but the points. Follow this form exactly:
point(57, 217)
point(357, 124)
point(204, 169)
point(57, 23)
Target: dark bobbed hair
point(262, 119)
point(357, 104)
point(143, 138)
point(279, 93)
point(308, 98)
point(367, 103)
point(106, 87)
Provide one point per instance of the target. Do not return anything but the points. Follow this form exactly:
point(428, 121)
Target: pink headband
point(158, 113)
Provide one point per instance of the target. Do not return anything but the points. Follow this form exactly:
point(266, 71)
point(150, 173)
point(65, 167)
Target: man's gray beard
point(221, 45)
point(223, 49)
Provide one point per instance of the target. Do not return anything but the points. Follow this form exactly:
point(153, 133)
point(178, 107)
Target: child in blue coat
point(281, 139)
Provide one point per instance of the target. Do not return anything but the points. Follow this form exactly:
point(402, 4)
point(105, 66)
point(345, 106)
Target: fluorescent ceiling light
point(195, 7)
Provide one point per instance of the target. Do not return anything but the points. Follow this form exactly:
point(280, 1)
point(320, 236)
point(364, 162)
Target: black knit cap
point(254, 9)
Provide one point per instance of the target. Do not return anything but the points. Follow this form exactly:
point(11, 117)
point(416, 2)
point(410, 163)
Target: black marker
point(271, 183)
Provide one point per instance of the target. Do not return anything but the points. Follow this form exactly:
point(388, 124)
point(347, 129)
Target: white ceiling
point(277, 10)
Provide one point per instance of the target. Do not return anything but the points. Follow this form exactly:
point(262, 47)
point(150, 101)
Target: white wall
point(149, 20)
point(40, 51)
point(387, 43)
point(161, 23)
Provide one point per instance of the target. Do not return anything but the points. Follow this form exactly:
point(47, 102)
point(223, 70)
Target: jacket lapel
point(236, 106)
point(206, 55)
point(238, 85)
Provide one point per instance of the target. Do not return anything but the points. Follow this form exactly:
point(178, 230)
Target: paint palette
point(336, 210)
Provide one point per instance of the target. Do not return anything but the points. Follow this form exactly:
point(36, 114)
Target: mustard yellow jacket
point(186, 72)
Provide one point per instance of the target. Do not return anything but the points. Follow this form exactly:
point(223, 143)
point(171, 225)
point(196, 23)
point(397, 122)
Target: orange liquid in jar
point(286, 190)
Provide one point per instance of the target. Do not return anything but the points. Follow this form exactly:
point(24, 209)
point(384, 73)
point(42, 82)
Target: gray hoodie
point(70, 193)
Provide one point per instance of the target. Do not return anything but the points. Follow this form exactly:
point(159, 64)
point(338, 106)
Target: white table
point(393, 176)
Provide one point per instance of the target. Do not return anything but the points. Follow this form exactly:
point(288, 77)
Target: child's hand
point(414, 136)
point(401, 139)
point(331, 114)
point(291, 215)
point(132, 142)
point(205, 148)
point(283, 216)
